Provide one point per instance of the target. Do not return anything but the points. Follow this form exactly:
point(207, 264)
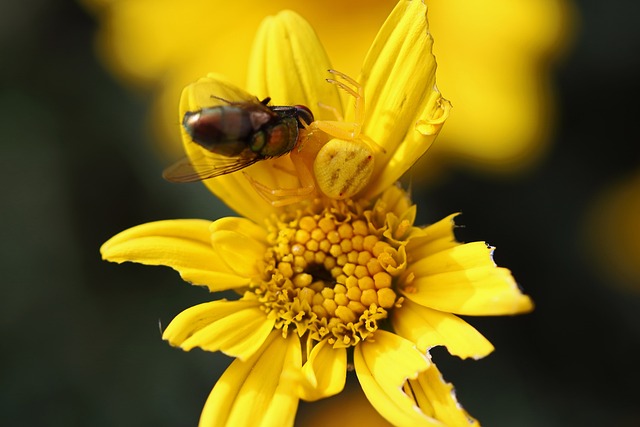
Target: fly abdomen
point(223, 130)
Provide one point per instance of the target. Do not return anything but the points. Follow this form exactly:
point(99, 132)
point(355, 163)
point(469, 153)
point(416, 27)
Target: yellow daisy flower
point(612, 231)
point(495, 60)
point(495, 55)
point(329, 282)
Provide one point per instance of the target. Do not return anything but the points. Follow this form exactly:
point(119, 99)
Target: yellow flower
point(494, 59)
point(325, 284)
point(613, 232)
point(494, 54)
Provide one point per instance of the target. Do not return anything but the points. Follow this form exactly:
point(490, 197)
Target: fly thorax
point(277, 138)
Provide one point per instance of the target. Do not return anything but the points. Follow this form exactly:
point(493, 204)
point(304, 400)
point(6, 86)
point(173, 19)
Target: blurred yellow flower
point(360, 411)
point(494, 59)
point(329, 283)
point(494, 56)
point(613, 232)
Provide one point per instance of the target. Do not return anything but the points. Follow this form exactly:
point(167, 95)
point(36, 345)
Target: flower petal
point(464, 280)
point(437, 398)
point(433, 238)
point(289, 64)
point(429, 328)
point(382, 367)
point(237, 328)
point(243, 226)
point(458, 258)
point(325, 372)
point(240, 243)
point(260, 391)
point(405, 111)
point(397, 201)
point(183, 245)
point(211, 91)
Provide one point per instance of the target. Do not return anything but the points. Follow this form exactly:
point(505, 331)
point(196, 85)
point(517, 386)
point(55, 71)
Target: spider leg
point(278, 197)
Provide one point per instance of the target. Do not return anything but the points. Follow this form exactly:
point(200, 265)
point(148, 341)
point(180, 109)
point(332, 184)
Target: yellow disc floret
point(330, 271)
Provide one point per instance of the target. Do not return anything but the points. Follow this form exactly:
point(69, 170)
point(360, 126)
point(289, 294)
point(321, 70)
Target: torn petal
point(383, 366)
point(437, 399)
point(466, 282)
point(183, 245)
point(429, 328)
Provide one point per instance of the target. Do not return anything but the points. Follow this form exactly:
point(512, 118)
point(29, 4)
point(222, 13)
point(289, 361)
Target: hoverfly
point(238, 134)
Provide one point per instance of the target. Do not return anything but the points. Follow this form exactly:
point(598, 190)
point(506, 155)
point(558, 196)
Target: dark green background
point(80, 339)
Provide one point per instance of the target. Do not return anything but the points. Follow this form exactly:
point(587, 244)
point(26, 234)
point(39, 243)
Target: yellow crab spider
point(331, 156)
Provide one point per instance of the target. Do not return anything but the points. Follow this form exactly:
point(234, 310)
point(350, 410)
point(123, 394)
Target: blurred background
point(538, 155)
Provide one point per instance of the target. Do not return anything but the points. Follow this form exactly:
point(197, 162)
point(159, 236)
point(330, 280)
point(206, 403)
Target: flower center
point(330, 272)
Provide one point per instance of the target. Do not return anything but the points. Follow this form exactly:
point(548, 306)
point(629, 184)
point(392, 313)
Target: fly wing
point(209, 166)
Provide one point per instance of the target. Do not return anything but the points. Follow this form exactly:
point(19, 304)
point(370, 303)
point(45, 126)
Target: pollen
point(331, 271)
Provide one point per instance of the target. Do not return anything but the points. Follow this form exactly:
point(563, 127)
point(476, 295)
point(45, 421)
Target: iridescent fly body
point(238, 134)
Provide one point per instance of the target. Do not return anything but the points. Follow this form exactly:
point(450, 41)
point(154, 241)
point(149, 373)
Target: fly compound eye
point(342, 168)
point(304, 115)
